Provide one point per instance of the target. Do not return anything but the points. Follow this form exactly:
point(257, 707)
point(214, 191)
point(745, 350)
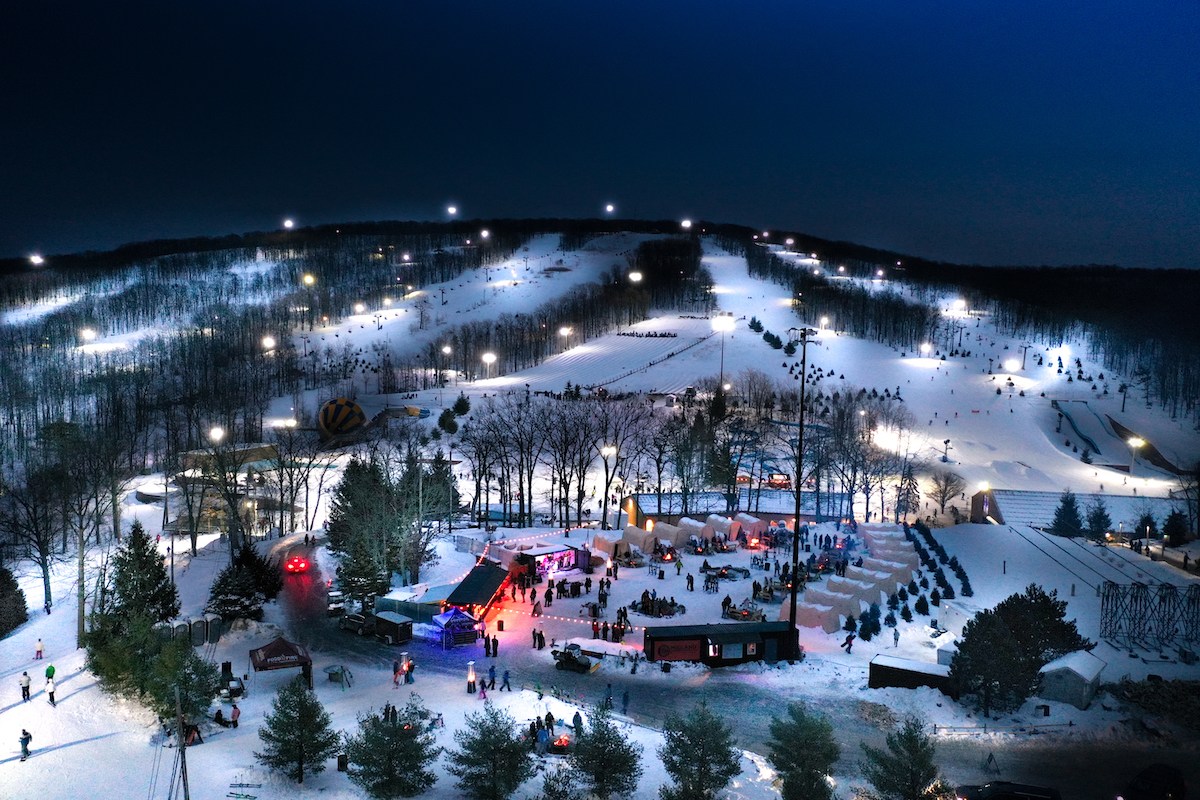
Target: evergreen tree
point(1067, 521)
point(1003, 649)
point(265, 572)
point(902, 594)
point(447, 422)
point(178, 666)
point(1175, 529)
point(988, 666)
point(912, 588)
point(297, 735)
point(560, 783)
point(908, 500)
point(890, 619)
point(462, 406)
point(13, 611)
point(491, 760)
point(906, 613)
point(922, 606)
point(803, 751)
point(140, 580)
point(235, 595)
point(698, 754)
point(893, 602)
point(851, 624)
point(935, 597)
point(905, 770)
point(1098, 520)
point(390, 755)
point(600, 746)
point(1147, 526)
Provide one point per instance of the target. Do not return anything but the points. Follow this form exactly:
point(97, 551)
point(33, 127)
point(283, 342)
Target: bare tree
point(946, 484)
point(30, 515)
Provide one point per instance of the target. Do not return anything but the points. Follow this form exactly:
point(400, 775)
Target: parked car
point(1006, 790)
point(362, 624)
point(337, 603)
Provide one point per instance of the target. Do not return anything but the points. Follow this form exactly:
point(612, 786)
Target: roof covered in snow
point(1081, 662)
point(1036, 509)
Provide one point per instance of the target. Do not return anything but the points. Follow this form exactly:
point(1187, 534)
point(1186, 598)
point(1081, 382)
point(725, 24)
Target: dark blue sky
point(1011, 132)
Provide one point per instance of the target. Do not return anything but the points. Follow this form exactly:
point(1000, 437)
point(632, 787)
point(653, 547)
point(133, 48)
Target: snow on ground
point(1004, 439)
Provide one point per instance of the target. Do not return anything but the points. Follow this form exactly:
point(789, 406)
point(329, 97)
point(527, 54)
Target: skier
point(849, 643)
point(50, 691)
point(25, 738)
point(38, 651)
point(24, 681)
point(49, 672)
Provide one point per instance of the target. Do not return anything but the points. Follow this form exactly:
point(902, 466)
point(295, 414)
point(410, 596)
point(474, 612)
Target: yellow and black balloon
point(340, 416)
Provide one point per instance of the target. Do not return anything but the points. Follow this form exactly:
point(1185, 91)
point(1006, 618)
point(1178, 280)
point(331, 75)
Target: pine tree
point(140, 580)
point(178, 666)
point(1098, 520)
point(890, 619)
point(912, 588)
point(803, 751)
point(905, 770)
point(390, 755)
point(935, 597)
point(561, 783)
point(599, 747)
point(447, 422)
point(1147, 526)
point(1067, 521)
point(1175, 529)
point(698, 754)
point(850, 624)
point(13, 611)
point(234, 595)
point(462, 406)
point(902, 594)
point(491, 760)
point(265, 572)
point(989, 666)
point(906, 613)
point(1038, 621)
point(297, 734)
point(922, 606)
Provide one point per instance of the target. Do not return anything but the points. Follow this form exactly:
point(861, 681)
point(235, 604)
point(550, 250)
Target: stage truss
point(1142, 617)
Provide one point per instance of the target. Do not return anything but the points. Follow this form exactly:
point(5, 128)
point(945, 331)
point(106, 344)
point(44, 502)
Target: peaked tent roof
point(480, 585)
point(279, 654)
point(452, 617)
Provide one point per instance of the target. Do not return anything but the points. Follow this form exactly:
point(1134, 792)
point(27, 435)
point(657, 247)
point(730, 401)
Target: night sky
point(1020, 131)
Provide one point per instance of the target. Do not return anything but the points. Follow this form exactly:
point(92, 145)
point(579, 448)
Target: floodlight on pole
point(215, 434)
point(803, 336)
point(289, 224)
point(723, 323)
point(635, 277)
point(488, 359)
point(36, 260)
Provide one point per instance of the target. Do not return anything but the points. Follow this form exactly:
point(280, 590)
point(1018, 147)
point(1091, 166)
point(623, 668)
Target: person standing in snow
point(24, 681)
point(577, 723)
point(39, 651)
point(495, 647)
point(50, 691)
point(483, 691)
point(550, 722)
point(49, 672)
point(395, 674)
point(895, 637)
point(25, 738)
point(235, 715)
point(408, 675)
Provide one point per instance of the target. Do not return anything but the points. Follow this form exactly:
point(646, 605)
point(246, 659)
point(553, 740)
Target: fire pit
point(561, 745)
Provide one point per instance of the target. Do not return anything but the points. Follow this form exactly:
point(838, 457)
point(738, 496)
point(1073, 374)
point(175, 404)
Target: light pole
point(488, 359)
point(1135, 443)
point(606, 452)
point(446, 351)
point(793, 639)
point(565, 332)
point(945, 450)
point(723, 323)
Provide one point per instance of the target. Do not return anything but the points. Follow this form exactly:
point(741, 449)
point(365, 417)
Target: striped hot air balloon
point(339, 416)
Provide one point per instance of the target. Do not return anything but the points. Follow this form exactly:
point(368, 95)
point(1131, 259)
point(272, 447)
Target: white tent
point(729, 528)
point(694, 527)
point(753, 526)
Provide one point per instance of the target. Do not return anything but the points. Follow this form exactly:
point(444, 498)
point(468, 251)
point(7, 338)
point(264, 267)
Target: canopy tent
point(610, 543)
point(279, 654)
point(694, 527)
point(636, 537)
point(752, 525)
point(729, 528)
point(454, 619)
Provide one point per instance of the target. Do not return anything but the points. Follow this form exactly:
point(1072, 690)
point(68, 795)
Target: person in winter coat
point(492, 676)
point(396, 674)
point(550, 722)
point(408, 675)
point(849, 643)
point(895, 637)
point(504, 684)
point(25, 738)
point(543, 738)
point(39, 651)
point(49, 672)
point(495, 647)
point(24, 681)
point(577, 723)
point(235, 715)
point(50, 691)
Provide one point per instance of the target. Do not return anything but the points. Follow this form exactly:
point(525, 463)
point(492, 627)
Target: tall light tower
point(802, 335)
point(723, 323)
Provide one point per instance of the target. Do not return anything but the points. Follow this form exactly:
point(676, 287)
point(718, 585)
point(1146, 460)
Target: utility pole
point(793, 638)
point(182, 744)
